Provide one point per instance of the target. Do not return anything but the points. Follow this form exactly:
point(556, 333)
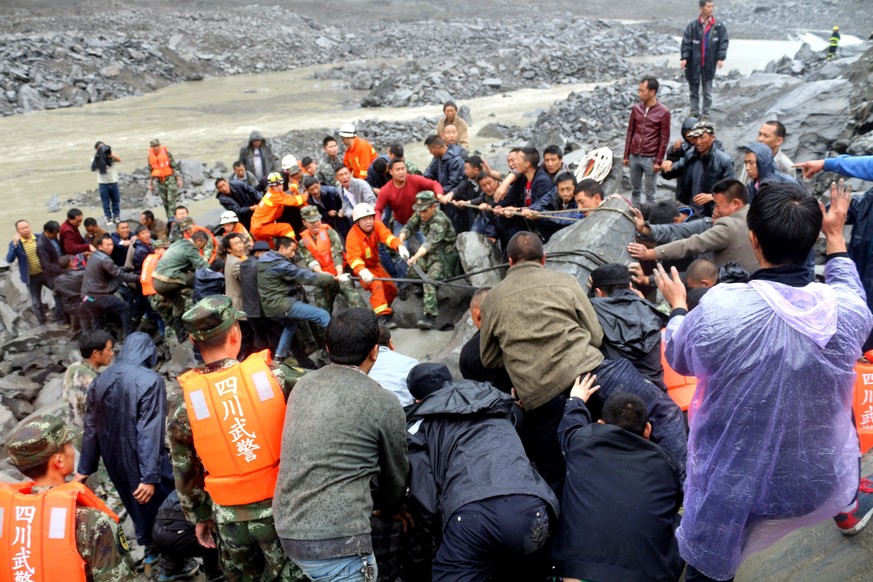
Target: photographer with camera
point(107, 181)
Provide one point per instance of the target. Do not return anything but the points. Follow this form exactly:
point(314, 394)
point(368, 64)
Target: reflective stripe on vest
point(320, 249)
point(236, 417)
point(145, 277)
point(160, 163)
point(38, 532)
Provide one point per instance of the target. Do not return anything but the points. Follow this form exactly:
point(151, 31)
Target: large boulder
point(477, 253)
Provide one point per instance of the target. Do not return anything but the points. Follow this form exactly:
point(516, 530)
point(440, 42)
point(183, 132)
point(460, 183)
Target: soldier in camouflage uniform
point(331, 160)
point(310, 258)
point(437, 257)
point(173, 279)
point(41, 449)
point(165, 172)
point(248, 544)
point(96, 350)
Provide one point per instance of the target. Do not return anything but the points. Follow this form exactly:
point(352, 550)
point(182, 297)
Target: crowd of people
point(559, 454)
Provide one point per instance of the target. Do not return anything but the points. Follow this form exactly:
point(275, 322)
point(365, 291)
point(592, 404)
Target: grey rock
point(493, 82)
point(29, 99)
point(110, 71)
point(54, 203)
point(17, 386)
point(21, 344)
point(20, 408)
point(193, 172)
point(50, 394)
point(477, 253)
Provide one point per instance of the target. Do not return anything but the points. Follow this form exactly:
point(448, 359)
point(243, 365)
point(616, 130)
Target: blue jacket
point(857, 167)
point(447, 170)
point(16, 251)
point(541, 186)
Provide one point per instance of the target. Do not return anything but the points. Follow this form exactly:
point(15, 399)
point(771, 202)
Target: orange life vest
point(38, 532)
point(862, 403)
point(237, 416)
point(145, 276)
point(160, 163)
point(319, 247)
point(679, 388)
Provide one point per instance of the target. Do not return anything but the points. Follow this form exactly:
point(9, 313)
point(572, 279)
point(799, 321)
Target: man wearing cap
point(362, 254)
point(225, 442)
point(321, 250)
point(188, 228)
point(471, 474)
point(437, 258)
point(329, 203)
point(57, 530)
point(631, 325)
point(701, 168)
point(359, 152)
point(163, 171)
point(174, 274)
point(239, 198)
point(270, 208)
point(704, 49)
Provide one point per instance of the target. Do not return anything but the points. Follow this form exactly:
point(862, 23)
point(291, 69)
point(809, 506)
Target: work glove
point(343, 278)
point(404, 252)
point(366, 276)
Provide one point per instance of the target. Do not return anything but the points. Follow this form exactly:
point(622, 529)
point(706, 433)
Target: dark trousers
point(111, 199)
point(143, 514)
point(175, 541)
point(99, 304)
point(490, 540)
point(692, 574)
point(35, 283)
point(694, 90)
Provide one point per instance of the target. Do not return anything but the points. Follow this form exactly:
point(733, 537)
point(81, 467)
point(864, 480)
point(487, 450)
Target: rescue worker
point(833, 42)
point(163, 169)
point(362, 254)
point(225, 440)
point(321, 249)
point(264, 225)
point(188, 228)
point(359, 152)
point(174, 274)
point(230, 222)
point(51, 529)
point(437, 256)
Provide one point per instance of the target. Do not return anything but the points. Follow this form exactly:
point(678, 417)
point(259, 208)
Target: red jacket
point(648, 132)
point(400, 200)
point(71, 240)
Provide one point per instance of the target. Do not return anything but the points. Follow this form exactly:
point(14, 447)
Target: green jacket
point(439, 239)
point(182, 257)
point(277, 283)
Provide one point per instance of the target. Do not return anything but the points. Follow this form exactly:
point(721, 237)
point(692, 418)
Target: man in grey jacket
point(102, 277)
point(341, 430)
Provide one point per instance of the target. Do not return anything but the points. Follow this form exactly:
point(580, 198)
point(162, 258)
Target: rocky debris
point(477, 253)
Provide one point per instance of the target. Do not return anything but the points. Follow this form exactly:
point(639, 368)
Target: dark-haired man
point(772, 134)
point(323, 499)
point(330, 162)
point(23, 248)
point(559, 199)
point(399, 194)
point(238, 197)
point(95, 348)
point(544, 354)
point(71, 240)
point(648, 135)
point(447, 167)
point(704, 49)
point(156, 226)
point(758, 469)
point(102, 279)
point(553, 162)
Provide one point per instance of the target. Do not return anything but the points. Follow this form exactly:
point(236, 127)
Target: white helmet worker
point(288, 161)
point(361, 210)
point(347, 130)
point(228, 217)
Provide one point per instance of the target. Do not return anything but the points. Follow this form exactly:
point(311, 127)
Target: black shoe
point(186, 570)
point(387, 321)
point(426, 322)
point(419, 291)
point(403, 293)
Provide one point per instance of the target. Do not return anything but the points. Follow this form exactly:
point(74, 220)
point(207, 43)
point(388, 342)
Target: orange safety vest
point(148, 268)
point(237, 416)
point(160, 163)
point(862, 403)
point(189, 233)
point(362, 249)
point(38, 532)
point(679, 388)
point(273, 203)
point(319, 247)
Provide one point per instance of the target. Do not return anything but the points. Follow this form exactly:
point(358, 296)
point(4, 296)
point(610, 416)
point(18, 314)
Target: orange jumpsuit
point(264, 225)
point(362, 252)
point(358, 157)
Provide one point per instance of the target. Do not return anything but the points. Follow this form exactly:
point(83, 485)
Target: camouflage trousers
point(250, 551)
point(435, 269)
point(168, 192)
point(324, 297)
point(170, 308)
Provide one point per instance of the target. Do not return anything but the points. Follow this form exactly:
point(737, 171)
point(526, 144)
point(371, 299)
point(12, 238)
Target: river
point(49, 152)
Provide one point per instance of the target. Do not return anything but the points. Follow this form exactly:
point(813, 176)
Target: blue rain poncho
point(772, 446)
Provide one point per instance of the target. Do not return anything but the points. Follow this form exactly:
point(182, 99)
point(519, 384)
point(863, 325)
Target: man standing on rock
point(23, 248)
point(257, 156)
point(96, 350)
point(107, 181)
point(239, 198)
point(648, 135)
point(704, 48)
point(359, 152)
point(330, 162)
point(163, 169)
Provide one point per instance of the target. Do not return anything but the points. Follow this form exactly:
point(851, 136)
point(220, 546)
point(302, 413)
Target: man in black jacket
point(704, 48)
point(238, 197)
point(102, 278)
point(631, 325)
point(48, 250)
point(469, 469)
point(701, 167)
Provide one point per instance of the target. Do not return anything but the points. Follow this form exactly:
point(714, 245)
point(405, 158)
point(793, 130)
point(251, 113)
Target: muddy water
point(49, 152)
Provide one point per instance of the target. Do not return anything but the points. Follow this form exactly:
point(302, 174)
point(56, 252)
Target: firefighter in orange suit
point(50, 529)
point(264, 225)
point(362, 254)
point(225, 439)
point(359, 152)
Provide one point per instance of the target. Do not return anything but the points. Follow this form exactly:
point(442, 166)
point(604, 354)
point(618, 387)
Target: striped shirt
point(29, 245)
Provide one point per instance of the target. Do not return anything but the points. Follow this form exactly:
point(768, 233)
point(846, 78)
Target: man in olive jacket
point(541, 327)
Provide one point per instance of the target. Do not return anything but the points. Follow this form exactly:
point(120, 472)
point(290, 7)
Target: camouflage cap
point(424, 200)
point(310, 214)
point(155, 142)
point(161, 243)
point(186, 223)
point(700, 128)
point(34, 441)
point(210, 316)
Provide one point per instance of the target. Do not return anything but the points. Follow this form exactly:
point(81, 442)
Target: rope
point(517, 211)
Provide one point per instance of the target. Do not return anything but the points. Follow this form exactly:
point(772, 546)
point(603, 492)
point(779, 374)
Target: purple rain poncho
point(772, 446)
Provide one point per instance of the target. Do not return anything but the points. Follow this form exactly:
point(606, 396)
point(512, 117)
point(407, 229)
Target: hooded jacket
point(632, 330)
point(124, 420)
point(767, 171)
point(278, 279)
point(463, 448)
point(247, 154)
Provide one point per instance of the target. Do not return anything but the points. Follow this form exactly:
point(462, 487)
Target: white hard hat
point(347, 130)
point(361, 210)
point(288, 161)
point(227, 217)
